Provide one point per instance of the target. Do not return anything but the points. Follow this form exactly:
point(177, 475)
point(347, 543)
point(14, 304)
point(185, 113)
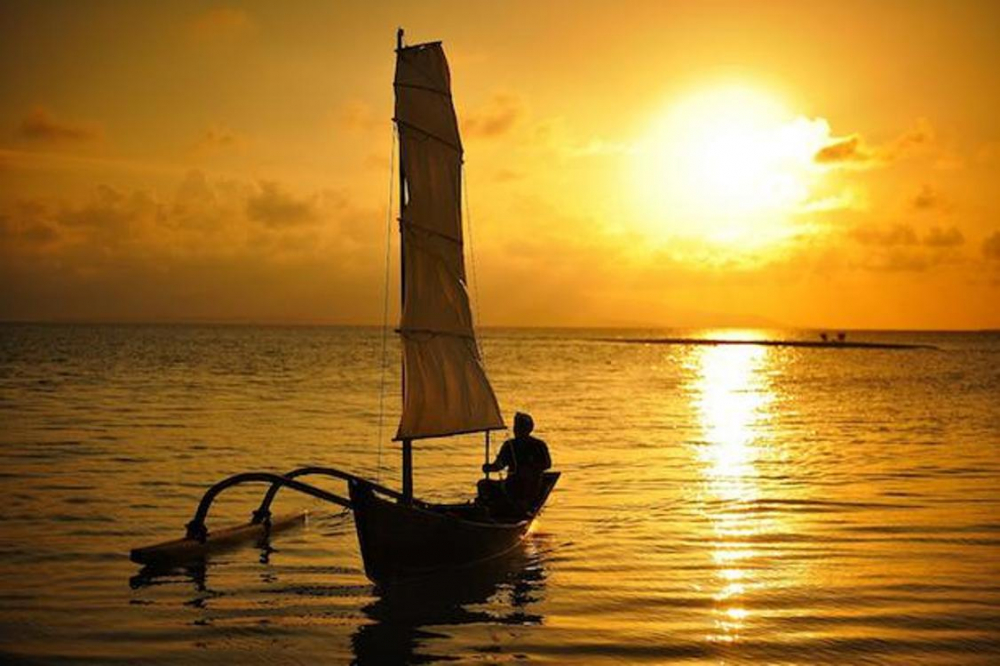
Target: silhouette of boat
point(446, 391)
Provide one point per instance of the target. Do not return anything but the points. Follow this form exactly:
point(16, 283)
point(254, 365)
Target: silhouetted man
point(525, 458)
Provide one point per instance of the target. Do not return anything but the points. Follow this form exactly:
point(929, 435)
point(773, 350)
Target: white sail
point(445, 388)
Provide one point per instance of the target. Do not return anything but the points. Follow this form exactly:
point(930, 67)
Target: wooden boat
point(446, 390)
point(432, 536)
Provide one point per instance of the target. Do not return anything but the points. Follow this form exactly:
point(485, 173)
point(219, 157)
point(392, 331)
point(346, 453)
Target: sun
point(727, 164)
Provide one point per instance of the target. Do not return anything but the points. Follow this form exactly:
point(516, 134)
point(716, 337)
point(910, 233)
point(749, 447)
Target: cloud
point(927, 199)
point(898, 262)
point(854, 151)
point(843, 150)
point(41, 125)
point(896, 235)
point(900, 247)
point(991, 246)
point(908, 259)
point(844, 200)
point(109, 210)
point(133, 254)
point(219, 138)
point(29, 223)
point(944, 238)
point(498, 117)
point(275, 208)
point(221, 23)
point(917, 138)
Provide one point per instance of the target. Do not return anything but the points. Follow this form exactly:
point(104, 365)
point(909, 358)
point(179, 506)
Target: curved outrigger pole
point(263, 512)
point(198, 540)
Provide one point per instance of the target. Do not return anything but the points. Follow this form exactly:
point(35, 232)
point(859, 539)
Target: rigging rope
point(385, 307)
point(472, 259)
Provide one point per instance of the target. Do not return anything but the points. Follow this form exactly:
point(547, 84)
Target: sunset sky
point(831, 165)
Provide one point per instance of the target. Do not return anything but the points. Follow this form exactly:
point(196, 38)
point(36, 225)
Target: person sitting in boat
point(525, 458)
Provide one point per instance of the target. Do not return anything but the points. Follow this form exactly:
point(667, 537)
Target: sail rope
point(385, 307)
point(472, 260)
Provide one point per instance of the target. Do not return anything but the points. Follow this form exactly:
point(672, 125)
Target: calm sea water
point(718, 504)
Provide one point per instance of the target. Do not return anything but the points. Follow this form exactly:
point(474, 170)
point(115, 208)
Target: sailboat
point(446, 391)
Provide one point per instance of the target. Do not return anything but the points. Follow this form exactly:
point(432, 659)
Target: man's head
point(523, 424)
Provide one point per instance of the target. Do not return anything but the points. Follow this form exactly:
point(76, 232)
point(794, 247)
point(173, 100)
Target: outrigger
point(445, 387)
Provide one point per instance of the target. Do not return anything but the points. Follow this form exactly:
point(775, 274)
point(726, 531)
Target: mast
point(407, 449)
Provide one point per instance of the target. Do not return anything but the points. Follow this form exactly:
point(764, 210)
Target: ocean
point(718, 504)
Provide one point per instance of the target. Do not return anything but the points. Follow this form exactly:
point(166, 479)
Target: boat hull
point(401, 540)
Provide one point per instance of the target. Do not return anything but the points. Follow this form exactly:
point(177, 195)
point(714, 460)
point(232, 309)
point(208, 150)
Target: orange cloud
point(917, 138)
point(943, 238)
point(927, 198)
point(898, 234)
point(853, 151)
point(273, 207)
point(839, 151)
point(219, 138)
point(991, 246)
point(218, 248)
point(41, 125)
point(496, 118)
point(29, 225)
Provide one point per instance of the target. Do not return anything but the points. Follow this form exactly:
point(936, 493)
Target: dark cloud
point(849, 149)
point(195, 188)
point(112, 213)
point(41, 125)
point(275, 208)
point(497, 118)
point(943, 238)
point(900, 262)
point(218, 138)
point(28, 224)
point(896, 235)
point(927, 198)
point(991, 246)
point(124, 254)
point(898, 247)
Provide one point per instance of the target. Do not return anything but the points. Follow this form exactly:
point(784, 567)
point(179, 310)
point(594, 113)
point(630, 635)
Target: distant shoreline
point(829, 344)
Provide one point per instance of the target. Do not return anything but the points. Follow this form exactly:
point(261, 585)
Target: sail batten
point(429, 135)
point(445, 387)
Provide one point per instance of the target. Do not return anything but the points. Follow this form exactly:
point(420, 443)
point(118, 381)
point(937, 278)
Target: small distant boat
point(446, 391)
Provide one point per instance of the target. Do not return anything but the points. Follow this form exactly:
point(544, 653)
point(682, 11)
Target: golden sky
point(642, 164)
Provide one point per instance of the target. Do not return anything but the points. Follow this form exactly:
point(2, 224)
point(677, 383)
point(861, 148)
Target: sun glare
point(728, 164)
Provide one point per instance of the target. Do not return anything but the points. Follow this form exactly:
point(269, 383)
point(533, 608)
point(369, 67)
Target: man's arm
point(502, 461)
point(546, 459)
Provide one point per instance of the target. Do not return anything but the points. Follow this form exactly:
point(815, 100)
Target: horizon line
point(249, 322)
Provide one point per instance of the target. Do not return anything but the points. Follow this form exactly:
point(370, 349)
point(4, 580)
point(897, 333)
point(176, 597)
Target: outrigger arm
point(198, 540)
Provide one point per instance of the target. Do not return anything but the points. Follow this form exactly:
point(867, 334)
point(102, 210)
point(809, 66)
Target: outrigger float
point(446, 390)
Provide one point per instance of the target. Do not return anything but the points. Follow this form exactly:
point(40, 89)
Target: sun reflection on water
point(731, 397)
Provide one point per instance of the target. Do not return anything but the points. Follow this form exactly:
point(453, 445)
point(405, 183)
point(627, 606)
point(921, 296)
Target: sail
point(445, 388)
